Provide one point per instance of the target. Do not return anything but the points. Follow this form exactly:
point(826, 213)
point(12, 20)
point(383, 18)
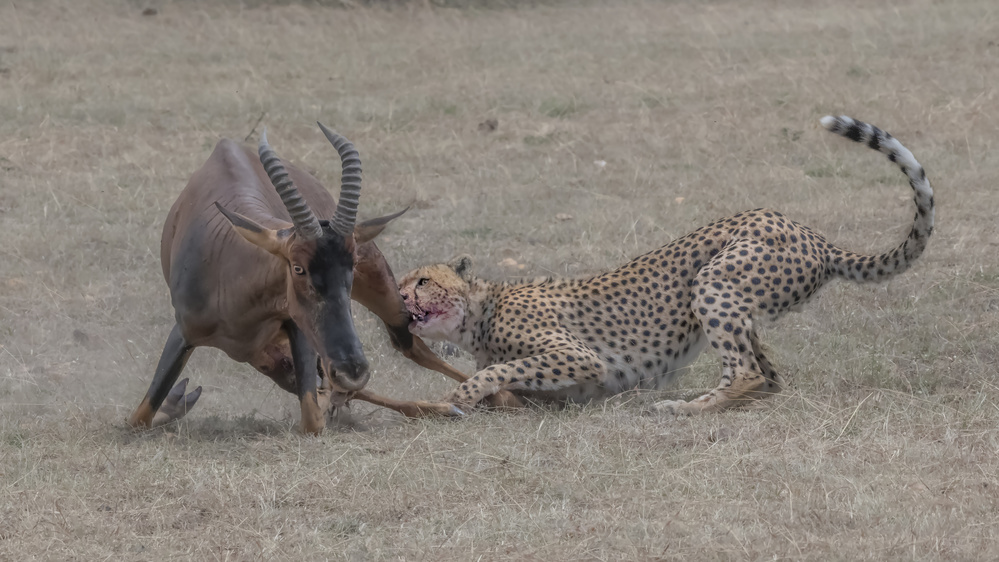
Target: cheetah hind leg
point(775, 382)
point(747, 374)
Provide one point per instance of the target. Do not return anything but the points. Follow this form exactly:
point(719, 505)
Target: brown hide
point(229, 294)
point(226, 292)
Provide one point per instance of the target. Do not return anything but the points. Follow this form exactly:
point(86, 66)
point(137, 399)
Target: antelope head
point(319, 258)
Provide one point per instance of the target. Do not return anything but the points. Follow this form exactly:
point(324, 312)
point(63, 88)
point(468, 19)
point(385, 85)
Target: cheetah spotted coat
point(639, 325)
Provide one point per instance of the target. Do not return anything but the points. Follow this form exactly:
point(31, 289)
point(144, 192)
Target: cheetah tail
point(858, 267)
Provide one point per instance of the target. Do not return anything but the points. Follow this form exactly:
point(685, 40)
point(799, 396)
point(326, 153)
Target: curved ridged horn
point(306, 224)
point(350, 182)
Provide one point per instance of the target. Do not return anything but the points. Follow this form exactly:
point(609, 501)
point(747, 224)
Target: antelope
point(255, 272)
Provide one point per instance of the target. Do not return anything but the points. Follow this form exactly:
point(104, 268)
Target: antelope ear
point(462, 265)
point(273, 241)
point(367, 230)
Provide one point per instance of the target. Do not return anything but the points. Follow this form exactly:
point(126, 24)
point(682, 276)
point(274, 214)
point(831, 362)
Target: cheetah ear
point(462, 265)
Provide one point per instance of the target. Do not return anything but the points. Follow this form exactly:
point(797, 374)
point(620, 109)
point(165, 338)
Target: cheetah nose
point(405, 297)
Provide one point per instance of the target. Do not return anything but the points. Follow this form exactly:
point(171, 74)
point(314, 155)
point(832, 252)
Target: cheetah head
point(436, 297)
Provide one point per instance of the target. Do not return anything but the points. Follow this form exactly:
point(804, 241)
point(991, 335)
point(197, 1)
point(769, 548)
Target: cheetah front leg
point(552, 370)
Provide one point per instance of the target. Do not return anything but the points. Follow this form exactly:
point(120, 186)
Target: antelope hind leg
point(410, 409)
point(176, 405)
point(172, 403)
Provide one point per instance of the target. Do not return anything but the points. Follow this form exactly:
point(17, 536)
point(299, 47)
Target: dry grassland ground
point(885, 446)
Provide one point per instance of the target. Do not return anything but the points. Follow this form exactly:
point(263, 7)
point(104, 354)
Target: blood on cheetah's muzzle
point(416, 313)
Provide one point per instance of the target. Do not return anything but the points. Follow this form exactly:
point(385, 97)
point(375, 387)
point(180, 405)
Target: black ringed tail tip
point(899, 259)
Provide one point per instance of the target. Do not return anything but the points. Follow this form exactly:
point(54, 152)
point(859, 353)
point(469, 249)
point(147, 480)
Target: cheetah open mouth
point(417, 314)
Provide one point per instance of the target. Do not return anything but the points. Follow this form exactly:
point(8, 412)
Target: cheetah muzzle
point(640, 325)
point(416, 315)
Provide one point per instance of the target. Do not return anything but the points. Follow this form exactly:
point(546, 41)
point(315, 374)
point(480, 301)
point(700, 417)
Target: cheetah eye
point(299, 270)
point(422, 281)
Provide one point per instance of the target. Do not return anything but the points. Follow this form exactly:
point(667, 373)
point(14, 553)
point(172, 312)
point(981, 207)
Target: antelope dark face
point(319, 261)
point(321, 273)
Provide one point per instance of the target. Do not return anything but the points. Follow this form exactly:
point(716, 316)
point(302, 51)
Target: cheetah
point(638, 326)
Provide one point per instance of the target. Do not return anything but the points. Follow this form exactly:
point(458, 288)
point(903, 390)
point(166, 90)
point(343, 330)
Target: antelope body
point(262, 263)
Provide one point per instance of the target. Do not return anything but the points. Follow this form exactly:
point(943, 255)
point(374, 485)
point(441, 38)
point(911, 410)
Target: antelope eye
point(299, 270)
point(422, 281)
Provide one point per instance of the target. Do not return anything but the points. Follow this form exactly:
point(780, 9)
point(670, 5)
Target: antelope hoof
point(432, 410)
point(176, 405)
point(676, 408)
point(504, 400)
point(429, 409)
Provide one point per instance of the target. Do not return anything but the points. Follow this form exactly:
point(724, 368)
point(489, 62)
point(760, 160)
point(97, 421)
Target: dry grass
point(884, 447)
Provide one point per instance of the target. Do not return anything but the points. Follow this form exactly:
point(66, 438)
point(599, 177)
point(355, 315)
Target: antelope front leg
point(326, 397)
point(306, 375)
